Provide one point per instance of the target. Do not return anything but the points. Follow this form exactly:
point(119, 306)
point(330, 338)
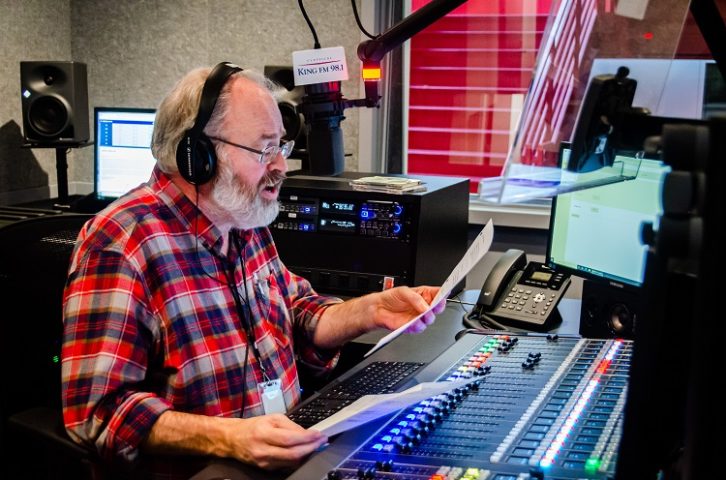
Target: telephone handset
point(522, 294)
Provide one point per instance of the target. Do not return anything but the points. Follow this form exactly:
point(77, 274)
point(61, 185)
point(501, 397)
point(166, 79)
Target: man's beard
point(240, 202)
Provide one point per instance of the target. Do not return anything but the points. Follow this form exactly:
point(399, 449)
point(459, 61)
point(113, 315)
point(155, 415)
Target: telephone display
point(522, 294)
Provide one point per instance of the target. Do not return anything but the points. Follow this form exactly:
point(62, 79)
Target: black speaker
point(55, 102)
point(609, 312)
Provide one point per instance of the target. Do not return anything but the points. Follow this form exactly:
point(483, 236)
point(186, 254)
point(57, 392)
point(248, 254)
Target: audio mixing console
point(545, 407)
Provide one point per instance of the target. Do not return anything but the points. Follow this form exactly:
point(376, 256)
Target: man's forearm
point(343, 322)
point(186, 433)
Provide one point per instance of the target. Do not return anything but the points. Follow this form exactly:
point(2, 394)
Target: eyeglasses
point(268, 154)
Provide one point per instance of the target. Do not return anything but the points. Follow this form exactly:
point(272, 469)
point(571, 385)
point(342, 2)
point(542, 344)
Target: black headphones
point(195, 155)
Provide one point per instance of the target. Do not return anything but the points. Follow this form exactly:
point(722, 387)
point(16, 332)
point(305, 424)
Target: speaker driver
point(48, 116)
point(621, 320)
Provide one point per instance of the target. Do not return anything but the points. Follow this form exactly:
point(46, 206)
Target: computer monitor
point(122, 157)
point(595, 233)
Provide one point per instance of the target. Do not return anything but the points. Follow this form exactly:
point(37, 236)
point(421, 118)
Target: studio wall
point(135, 52)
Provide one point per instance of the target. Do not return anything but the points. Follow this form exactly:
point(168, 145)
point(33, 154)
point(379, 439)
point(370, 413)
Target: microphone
point(323, 104)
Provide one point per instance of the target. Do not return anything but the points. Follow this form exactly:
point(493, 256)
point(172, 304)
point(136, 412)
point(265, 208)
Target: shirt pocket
point(271, 300)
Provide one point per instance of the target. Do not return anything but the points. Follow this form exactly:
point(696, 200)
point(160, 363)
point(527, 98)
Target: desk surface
point(423, 347)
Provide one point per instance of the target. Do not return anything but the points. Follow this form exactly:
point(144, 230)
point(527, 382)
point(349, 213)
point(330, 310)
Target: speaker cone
point(48, 116)
point(621, 320)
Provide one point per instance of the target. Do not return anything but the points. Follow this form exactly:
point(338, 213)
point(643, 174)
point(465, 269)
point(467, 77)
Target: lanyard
point(245, 315)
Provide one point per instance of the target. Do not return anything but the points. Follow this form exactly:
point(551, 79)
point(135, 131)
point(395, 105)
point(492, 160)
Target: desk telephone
point(522, 294)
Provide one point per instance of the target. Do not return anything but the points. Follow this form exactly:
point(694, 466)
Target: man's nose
point(279, 163)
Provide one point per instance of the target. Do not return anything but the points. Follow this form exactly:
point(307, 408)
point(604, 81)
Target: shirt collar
point(186, 211)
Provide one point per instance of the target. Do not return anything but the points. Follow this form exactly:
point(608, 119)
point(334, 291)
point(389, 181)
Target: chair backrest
point(34, 257)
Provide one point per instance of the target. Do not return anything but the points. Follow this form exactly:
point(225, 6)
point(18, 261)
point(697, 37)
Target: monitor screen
point(123, 157)
point(595, 233)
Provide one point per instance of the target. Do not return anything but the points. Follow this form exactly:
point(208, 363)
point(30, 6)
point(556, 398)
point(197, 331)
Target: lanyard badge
point(271, 394)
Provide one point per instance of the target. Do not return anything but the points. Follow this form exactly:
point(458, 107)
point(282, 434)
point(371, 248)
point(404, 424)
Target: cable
point(479, 320)
point(310, 24)
point(456, 299)
point(360, 25)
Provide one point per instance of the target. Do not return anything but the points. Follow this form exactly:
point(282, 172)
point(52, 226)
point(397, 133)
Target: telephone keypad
point(529, 300)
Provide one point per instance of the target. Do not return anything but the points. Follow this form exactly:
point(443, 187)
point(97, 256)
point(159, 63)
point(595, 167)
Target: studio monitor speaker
point(55, 102)
point(608, 312)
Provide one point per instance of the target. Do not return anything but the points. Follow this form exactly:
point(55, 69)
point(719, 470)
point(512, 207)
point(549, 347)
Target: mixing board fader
point(544, 407)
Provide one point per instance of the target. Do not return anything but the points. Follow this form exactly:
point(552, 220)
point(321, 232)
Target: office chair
point(34, 257)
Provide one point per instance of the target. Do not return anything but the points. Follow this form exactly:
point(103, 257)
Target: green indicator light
point(592, 464)
point(56, 359)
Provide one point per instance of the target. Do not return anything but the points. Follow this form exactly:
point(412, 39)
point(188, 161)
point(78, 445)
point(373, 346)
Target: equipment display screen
point(338, 207)
point(338, 225)
point(541, 276)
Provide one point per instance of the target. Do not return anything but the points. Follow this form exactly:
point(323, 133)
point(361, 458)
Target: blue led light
point(364, 213)
point(397, 210)
point(378, 447)
point(396, 228)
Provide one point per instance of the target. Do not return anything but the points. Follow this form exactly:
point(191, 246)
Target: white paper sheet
point(481, 245)
point(371, 407)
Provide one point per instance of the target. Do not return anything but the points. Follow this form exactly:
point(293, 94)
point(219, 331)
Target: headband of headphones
point(210, 93)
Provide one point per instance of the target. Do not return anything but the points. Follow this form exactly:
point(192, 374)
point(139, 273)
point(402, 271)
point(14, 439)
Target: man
point(178, 313)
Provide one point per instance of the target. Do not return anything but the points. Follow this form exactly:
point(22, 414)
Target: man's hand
point(273, 441)
point(399, 305)
point(268, 441)
point(388, 309)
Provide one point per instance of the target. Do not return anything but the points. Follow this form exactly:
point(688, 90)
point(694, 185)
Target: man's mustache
point(273, 178)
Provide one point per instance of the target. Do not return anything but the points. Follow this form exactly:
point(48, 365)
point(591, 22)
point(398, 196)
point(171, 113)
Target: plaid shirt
point(150, 322)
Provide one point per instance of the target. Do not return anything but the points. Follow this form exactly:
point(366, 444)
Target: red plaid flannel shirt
point(150, 322)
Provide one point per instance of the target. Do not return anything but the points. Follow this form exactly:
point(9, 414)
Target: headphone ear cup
point(205, 160)
point(184, 163)
point(196, 159)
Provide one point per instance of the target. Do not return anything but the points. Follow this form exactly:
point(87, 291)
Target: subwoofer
point(55, 103)
point(608, 312)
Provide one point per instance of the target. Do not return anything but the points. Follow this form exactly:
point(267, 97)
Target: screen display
point(595, 233)
point(123, 158)
point(337, 225)
point(338, 207)
point(541, 276)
